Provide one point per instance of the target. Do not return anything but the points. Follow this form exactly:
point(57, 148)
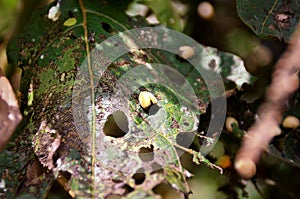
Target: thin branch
point(285, 81)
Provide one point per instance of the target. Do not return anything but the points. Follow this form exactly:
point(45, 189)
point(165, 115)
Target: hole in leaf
point(139, 177)
point(116, 125)
point(70, 13)
point(58, 190)
point(127, 189)
point(205, 120)
point(146, 154)
point(116, 180)
point(107, 27)
point(66, 174)
point(114, 196)
point(162, 188)
point(153, 109)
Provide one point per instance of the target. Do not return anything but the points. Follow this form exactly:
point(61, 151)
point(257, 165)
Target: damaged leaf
point(87, 127)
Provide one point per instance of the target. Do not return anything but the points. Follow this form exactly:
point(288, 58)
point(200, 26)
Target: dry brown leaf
point(10, 115)
point(46, 142)
point(34, 171)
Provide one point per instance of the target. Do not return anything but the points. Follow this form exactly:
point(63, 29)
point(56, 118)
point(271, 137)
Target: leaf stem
point(93, 124)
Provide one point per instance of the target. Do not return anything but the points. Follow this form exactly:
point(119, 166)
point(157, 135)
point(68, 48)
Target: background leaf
point(270, 18)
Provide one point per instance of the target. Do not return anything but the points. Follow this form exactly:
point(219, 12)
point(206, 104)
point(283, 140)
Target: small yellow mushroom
point(229, 122)
point(146, 99)
point(206, 10)
point(245, 167)
point(186, 52)
point(291, 122)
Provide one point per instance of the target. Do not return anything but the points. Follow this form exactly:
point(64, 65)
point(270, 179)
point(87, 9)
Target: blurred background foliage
point(7, 18)
point(7, 15)
point(214, 23)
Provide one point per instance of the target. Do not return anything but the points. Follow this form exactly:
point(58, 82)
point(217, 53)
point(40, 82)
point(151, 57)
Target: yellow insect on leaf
point(146, 99)
point(70, 22)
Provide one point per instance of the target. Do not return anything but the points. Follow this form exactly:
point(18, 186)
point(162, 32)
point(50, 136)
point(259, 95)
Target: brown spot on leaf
point(272, 27)
point(212, 64)
point(284, 15)
point(283, 20)
point(174, 123)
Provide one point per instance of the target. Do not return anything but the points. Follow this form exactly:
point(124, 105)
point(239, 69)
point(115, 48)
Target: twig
point(285, 81)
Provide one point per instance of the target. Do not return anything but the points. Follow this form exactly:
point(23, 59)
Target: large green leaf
point(78, 105)
point(270, 18)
